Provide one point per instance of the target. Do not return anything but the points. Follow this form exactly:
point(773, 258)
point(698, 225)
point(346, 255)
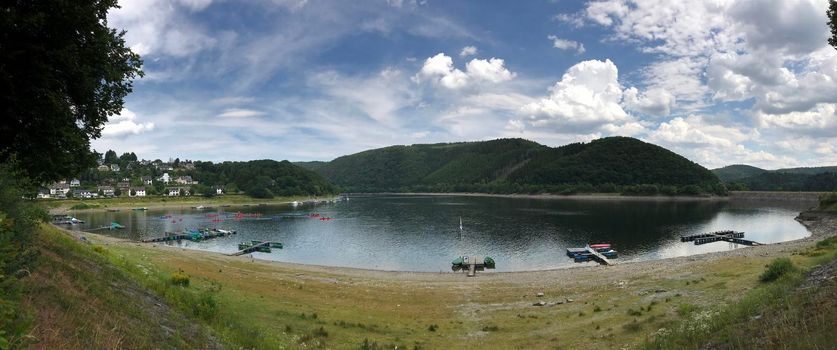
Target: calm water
point(421, 233)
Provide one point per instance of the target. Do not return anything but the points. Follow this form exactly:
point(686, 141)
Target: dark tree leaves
point(832, 22)
point(63, 72)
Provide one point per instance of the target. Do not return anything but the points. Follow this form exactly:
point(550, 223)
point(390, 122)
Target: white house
point(59, 189)
point(219, 190)
point(176, 191)
point(147, 180)
point(165, 178)
point(75, 183)
point(84, 194)
point(107, 191)
point(137, 192)
point(114, 167)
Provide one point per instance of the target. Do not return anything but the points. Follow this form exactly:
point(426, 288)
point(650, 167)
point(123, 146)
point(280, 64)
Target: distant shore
point(176, 202)
point(585, 196)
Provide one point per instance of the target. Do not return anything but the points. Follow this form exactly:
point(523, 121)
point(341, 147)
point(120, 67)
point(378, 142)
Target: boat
point(113, 210)
point(460, 223)
point(116, 226)
point(226, 232)
point(295, 203)
point(141, 208)
point(200, 207)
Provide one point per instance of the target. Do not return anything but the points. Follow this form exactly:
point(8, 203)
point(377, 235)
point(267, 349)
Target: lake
point(422, 233)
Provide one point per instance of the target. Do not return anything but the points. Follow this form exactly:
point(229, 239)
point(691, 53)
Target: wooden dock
point(190, 236)
point(726, 236)
point(598, 256)
point(472, 264)
point(251, 249)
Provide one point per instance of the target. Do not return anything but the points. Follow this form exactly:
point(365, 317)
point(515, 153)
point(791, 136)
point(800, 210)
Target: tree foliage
point(832, 22)
point(63, 72)
point(616, 164)
point(262, 178)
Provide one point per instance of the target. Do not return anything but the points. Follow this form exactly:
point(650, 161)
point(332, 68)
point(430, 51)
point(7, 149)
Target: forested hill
point(745, 177)
point(614, 164)
point(263, 178)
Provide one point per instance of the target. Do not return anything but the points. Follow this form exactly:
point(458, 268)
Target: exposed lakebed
point(422, 233)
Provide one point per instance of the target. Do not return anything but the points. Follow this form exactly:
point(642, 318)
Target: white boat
point(295, 203)
point(460, 223)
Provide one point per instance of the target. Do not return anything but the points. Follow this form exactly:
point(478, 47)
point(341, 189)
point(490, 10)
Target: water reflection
point(421, 233)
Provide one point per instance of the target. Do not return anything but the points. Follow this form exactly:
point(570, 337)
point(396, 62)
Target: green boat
point(242, 246)
point(116, 226)
point(263, 249)
point(489, 262)
point(458, 261)
point(275, 245)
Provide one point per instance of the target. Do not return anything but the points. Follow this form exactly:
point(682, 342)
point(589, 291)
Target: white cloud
point(160, 27)
point(124, 124)
point(587, 97)
point(468, 51)
point(440, 69)
point(819, 121)
point(564, 44)
point(656, 102)
point(575, 20)
point(240, 113)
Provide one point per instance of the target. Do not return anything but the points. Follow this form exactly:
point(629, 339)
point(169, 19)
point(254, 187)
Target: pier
point(602, 253)
point(194, 236)
point(472, 264)
point(717, 236)
point(263, 247)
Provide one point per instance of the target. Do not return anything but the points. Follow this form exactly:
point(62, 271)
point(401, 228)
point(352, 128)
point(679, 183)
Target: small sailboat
point(460, 223)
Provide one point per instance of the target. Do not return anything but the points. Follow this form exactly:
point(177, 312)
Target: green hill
point(731, 173)
point(263, 178)
point(516, 165)
point(745, 177)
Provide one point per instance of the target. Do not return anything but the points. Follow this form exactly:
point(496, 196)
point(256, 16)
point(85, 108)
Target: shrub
point(433, 327)
point(491, 328)
point(776, 269)
point(205, 306)
point(179, 279)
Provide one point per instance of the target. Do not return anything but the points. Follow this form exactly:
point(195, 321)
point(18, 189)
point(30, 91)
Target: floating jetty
point(599, 252)
point(191, 235)
point(472, 264)
point(65, 220)
point(717, 236)
point(256, 246)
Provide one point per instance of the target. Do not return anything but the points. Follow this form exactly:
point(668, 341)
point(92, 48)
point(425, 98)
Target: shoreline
point(820, 224)
point(63, 209)
point(587, 196)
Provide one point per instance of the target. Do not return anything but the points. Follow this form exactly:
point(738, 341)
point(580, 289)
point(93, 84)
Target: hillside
point(745, 177)
point(735, 172)
point(263, 178)
point(516, 165)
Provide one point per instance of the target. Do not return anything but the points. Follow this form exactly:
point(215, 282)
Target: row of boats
point(585, 254)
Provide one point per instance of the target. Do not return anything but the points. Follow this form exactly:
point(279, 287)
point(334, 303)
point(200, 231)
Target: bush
point(179, 279)
point(776, 269)
point(433, 327)
point(205, 306)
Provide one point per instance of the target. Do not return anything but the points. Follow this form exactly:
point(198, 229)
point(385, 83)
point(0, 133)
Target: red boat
point(600, 246)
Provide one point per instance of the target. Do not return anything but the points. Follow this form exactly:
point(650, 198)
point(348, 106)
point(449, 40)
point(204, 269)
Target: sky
point(719, 82)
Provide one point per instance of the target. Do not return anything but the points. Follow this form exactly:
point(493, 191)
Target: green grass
point(828, 202)
point(775, 314)
point(79, 300)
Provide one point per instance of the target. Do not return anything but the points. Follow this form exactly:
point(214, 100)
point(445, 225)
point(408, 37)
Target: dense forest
point(613, 164)
point(745, 177)
point(263, 178)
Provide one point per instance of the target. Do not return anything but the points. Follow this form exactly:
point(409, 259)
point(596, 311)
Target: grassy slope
point(267, 305)
point(81, 301)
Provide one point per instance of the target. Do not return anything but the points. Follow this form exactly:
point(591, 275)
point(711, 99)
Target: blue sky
point(720, 82)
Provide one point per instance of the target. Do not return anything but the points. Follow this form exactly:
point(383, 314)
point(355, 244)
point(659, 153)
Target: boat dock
point(191, 236)
point(601, 253)
point(258, 247)
point(472, 264)
point(727, 236)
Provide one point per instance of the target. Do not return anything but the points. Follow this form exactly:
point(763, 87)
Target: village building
point(106, 191)
point(75, 183)
point(103, 168)
point(59, 189)
point(137, 192)
point(185, 180)
point(147, 180)
point(165, 178)
point(114, 167)
point(177, 191)
point(81, 193)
